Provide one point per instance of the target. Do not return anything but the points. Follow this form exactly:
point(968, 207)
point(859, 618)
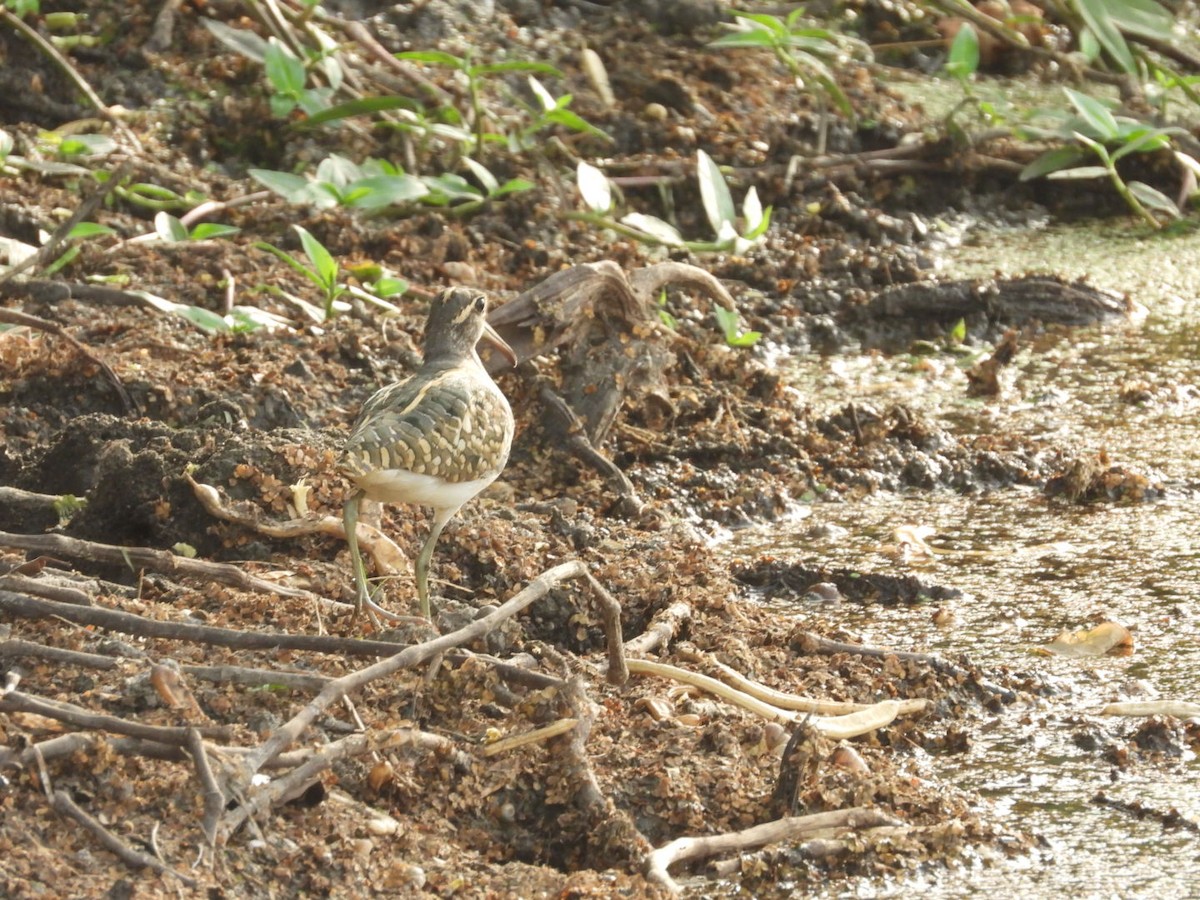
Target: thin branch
point(150, 558)
point(683, 849)
point(214, 799)
point(135, 859)
point(17, 701)
point(15, 317)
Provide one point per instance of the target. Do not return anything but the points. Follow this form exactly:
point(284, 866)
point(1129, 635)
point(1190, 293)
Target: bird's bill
point(492, 337)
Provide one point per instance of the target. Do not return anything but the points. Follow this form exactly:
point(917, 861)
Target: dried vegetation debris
point(699, 430)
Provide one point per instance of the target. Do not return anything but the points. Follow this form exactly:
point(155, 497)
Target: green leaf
point(204, 319)
point(364, 106)
point(63, 261)
point(513, 186)
point(480, 171)
point(545, 98)
point(1154, 199)
point(390, 287)
point(714, 192)
point(239, 40)
point(1147, 141)
point(730, 323)
point(384, 190)
point(752, 210)
point(85, 230)
point(324, 265)
point(1052, 161)
point(339, 171)
point(963, 60)
point(207, 231)
point(594, 187)
point(284, 71)
point(169, 228)
point(654, 229)
point(1098, 116)
point(1098, 17)
point(1142, 17)
point(763, 21)
point(450, 187)
point(434, 57)
point(292, 188)
point(1079, 173)
point(575, 122)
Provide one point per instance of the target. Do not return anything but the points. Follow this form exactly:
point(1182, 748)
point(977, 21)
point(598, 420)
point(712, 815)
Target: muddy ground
point(708, 436)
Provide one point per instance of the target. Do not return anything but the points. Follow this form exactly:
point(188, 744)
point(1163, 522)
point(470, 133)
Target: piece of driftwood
point(605, 322)
point(688, 848)
point(1014, 301)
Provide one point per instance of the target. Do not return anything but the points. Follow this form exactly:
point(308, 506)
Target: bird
point(435, 439)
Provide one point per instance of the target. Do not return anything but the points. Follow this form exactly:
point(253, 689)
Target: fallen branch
point(163, 561)
point(1180, 709)
point(865, 720)
point(785, 700)
point(661, 630)
point(16, 701)
point(128, 623)
point(683, 849)
point(814, 643)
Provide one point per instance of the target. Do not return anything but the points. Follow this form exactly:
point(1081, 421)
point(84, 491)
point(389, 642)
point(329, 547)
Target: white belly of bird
point(401, 486)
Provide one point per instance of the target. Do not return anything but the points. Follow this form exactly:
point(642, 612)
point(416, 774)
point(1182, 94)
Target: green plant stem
point(1131, 200)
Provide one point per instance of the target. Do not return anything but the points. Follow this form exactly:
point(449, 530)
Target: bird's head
point(457, 320)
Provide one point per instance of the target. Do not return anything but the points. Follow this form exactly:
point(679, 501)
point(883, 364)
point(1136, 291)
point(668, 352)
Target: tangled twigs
point(288, 733)
point(682, 849)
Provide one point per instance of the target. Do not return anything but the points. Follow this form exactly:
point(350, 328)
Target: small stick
point(545, 733)
point(128, 623)
point(18, 701)
point(15, 648)
point(214, 799)
point(14, 317)
point(147, 557)
point(135, 859)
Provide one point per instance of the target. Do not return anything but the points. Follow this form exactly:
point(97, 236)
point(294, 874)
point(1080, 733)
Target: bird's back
point(451, 425)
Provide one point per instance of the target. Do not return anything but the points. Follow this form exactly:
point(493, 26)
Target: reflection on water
point(1048, 566)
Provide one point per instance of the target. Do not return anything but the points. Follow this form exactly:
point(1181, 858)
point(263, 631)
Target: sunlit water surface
point(1031, 567)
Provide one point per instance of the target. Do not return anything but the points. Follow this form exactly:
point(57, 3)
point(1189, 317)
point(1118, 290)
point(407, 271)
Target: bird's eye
point(480, 303)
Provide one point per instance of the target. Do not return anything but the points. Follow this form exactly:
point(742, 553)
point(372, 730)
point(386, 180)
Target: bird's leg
point(350, 521)
point(440, 518)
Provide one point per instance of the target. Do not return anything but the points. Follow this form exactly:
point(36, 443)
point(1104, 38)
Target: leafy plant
point(475, 74)
point(239, 320)
point(732, 233)
point(1105, 23)
point(551, 111)
point(82, 232)
point(321, 270)
point(340, 182)
point(378, 183)
point(731, 324)
point(172, 230)
point(287, 74)
point(1094, 132)
point(802, 51)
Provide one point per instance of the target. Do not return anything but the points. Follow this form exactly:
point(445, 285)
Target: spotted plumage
point(436, 439)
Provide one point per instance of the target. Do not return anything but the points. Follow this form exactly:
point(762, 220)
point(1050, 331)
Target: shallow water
point(1031, 567)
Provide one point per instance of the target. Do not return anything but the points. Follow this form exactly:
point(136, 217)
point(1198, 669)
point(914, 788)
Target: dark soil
point(717, 439)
